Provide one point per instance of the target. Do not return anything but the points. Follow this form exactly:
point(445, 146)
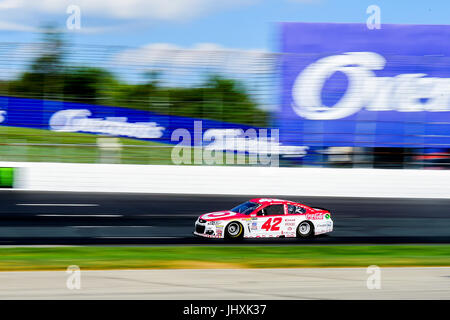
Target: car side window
point(275, 209)
point(300, 210)
point(291, 209)
point(295, 209)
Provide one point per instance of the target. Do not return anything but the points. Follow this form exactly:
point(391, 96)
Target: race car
point(265, 218)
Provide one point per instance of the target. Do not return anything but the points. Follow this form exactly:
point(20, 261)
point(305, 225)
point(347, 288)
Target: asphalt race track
point(158, 219)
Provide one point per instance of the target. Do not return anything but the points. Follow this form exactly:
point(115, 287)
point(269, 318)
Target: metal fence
point(131, 71)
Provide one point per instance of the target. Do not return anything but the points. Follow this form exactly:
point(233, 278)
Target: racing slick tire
point(234, 231)
point(305, 229)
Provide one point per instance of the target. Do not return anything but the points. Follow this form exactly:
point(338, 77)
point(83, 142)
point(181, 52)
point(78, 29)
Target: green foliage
point(49, 77)
point(45, 75)
point(86, 84)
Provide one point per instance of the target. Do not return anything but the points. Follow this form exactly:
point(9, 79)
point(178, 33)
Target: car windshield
point(245, 208)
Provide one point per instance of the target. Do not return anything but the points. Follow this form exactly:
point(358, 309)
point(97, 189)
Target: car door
point(270, 220)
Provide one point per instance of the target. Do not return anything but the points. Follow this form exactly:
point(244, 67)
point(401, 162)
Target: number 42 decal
point(268, 226)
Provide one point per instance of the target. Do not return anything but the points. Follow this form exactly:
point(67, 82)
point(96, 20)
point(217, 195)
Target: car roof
point(272, 201)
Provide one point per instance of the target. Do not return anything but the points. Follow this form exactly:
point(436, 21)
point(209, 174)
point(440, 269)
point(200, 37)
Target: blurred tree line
point(48, 77)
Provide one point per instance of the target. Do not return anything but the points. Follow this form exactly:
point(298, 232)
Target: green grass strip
point(7, 177)
point(35, 145)
point(199, 257)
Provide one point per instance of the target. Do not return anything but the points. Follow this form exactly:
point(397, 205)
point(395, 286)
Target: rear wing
point(319, 208)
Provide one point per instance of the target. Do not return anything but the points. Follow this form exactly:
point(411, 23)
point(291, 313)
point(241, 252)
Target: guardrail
point(232, 180)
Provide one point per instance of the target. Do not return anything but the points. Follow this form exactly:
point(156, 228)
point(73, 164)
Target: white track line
point(138, 237)
point(112, 226)
point(170, 215)
point(81, 215)
point(59, 204)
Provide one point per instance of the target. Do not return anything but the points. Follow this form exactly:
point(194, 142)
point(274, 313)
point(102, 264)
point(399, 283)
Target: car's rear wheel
point(234, 231)
point(305, 230)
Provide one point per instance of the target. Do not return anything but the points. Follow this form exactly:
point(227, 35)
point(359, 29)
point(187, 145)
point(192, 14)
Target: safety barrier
point(232, 180)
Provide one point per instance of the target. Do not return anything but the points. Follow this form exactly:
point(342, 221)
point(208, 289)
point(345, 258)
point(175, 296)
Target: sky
point(233, 24)
point(151, 31)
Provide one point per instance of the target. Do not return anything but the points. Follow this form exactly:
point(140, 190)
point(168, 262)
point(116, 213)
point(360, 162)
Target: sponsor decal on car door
point(270, 221)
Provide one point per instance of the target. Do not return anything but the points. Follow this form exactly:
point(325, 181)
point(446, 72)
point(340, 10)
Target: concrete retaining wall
point(231, 180)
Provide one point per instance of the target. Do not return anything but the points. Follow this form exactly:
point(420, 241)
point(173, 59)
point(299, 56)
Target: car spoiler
point(321, 209)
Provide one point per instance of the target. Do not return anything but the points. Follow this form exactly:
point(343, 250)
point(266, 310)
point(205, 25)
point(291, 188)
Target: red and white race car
point(263, 218)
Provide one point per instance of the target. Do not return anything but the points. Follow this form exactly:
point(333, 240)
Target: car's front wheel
point(234, 231)
point(305, 229)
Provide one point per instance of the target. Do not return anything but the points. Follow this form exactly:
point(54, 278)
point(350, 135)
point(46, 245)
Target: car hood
point(220, 215)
